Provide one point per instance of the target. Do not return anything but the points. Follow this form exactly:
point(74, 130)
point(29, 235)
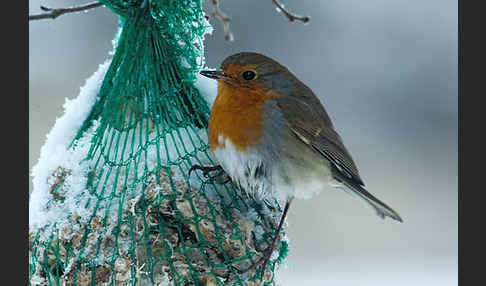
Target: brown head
point(253, 73)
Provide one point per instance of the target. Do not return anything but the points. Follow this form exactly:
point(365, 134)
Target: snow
point(207, 88)
point(55, 153)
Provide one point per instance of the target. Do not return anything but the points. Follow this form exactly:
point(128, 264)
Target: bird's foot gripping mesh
point(112, 202)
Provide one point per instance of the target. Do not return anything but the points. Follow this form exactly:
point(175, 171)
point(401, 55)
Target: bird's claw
point(207, 170)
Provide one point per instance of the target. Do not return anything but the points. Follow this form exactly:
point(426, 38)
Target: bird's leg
point(268, 251)
point(207, 170)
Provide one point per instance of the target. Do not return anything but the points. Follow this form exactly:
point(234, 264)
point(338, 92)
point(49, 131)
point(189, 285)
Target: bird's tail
point(381, 208)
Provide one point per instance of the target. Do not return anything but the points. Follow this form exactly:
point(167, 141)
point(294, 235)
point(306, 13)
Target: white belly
point(243, 168)
point(280, 178)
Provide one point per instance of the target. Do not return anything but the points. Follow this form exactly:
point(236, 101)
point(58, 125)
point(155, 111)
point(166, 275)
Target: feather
point(314, 127)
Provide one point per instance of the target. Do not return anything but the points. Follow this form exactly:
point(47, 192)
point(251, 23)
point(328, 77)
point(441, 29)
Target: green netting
point(139, 218)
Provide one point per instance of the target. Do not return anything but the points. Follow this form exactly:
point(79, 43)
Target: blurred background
point(386, 71)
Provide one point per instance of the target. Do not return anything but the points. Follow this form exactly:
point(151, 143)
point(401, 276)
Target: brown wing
point(308, 119)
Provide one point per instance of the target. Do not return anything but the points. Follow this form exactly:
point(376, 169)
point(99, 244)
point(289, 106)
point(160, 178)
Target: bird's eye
point(249, 75)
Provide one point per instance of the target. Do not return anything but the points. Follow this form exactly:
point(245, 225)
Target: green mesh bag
point(113, 203)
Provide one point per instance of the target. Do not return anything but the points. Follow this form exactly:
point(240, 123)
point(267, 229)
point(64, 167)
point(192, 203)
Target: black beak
point(217, 74)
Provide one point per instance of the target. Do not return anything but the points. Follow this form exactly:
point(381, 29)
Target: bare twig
point(54, 13)
point(289, 15)
point(228, 36)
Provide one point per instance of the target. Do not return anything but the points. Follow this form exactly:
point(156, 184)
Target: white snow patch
point(55, 153)
point(208, 88)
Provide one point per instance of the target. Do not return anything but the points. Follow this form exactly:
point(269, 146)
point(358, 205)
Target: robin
point(272, 136)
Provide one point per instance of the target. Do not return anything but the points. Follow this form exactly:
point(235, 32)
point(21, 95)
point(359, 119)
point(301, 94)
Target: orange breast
point(237, 114)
